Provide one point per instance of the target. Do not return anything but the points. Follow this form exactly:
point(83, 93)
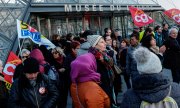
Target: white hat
point(147, 62)
point(93, 39)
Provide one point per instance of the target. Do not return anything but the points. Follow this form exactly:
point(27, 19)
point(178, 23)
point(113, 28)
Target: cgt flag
point(139, 17)
point(173, 14)
point(9, 67)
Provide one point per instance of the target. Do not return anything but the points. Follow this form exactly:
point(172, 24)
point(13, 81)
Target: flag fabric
point(173, 14)
point(47, 43)
point(139, 17)
point(26, 31)
point(10, 66)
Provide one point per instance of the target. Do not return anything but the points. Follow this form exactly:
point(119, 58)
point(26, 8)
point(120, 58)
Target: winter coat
point(131, 65)
point(151, 88)
point(83, 48)
point(165, 34)
point(23, 95)
point(172, 54)
point(122, 60)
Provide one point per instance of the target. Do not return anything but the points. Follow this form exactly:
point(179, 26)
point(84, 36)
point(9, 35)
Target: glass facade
point(10, 10)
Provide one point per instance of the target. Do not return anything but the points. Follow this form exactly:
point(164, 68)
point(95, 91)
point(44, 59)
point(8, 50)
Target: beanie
point(147, 62)
point(93, 39)
point(31, 65)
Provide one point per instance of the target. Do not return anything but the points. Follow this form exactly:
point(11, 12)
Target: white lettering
point(78, 8)
point(142, 18)
point(177, 18)
point(100, 8)
point(8, 72)
point(93, 7)
point(67, 8)
point(118, 7)
point(112, 7)
point(86, 7)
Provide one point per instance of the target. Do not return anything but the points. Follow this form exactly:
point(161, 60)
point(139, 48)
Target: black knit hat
point(31, 65)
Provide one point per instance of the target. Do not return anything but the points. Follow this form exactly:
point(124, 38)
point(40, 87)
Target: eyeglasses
point(55, 52)
point(25, 56)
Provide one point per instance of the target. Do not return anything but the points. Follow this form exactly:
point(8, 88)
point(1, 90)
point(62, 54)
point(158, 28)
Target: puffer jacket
point(23, 95)
point(151, 88)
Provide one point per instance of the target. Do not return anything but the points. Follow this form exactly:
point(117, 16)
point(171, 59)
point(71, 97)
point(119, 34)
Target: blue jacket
point(151, 88)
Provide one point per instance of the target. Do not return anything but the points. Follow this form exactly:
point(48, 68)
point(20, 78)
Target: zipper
point(36, 98)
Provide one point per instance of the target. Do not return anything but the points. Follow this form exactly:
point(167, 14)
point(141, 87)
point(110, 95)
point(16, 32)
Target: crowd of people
point(85, 68)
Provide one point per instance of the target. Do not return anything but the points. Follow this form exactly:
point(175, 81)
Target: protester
point(3, 90)
point(165, 31)
point(85, 91)
point(104, 65)
point(32, 89)
point(172, 54)
point(24, 54)
point(122, 56)
point(151, 85)
point(150, 43)
point(59, 59)
point(85, 45)
point(158, 36)
point(131, 66)
point(38, 55)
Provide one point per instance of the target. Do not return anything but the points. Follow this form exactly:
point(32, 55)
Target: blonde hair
point(59, 50)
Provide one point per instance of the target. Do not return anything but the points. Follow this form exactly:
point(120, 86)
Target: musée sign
point(94, 7)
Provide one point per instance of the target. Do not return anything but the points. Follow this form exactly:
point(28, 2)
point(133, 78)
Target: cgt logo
point(8, 72)
point(176, 18)
point(142, 18)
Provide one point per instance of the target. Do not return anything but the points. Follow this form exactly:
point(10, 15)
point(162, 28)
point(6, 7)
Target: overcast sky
point(168, 4)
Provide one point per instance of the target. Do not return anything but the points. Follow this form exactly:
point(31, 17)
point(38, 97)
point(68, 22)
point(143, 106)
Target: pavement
point(166, 72)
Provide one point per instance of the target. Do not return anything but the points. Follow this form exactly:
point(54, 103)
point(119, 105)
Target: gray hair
point(25, 51)
point(59, 50)
point(173, 28)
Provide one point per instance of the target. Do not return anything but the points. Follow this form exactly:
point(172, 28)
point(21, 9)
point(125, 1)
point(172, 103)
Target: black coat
point(172, 54)
point(23, 95)
point(151, 88)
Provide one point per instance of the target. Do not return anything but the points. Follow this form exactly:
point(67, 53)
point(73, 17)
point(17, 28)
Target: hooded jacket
point(37, 54)
point(151, 88)
point(84, 68)
point(84, 48)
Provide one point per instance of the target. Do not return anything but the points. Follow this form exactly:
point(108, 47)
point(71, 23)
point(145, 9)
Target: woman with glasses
point(58, 63)
point(24, 55)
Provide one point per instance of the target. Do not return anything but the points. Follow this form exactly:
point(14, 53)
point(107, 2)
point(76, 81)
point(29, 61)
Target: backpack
point(167, 102)
point(51, 72)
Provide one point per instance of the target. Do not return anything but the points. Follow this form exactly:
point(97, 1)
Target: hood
point(37, 54)
point(85, 45)
point(152, 87)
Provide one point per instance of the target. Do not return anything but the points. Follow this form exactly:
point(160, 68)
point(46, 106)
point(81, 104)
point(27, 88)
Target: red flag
point(10, 66)
point(173, 14)
point(139, 17)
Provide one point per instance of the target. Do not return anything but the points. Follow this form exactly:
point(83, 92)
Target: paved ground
point(124, 88)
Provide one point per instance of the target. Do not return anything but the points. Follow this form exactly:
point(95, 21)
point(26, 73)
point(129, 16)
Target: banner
point(10, 66)
point(26, 31)
point(139, 17)
point(173, 14)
